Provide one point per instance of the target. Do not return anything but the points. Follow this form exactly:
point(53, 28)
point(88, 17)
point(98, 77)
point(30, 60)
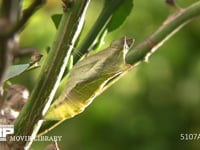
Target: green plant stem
point(98, 27)
point(144, 49)
point(30, 117)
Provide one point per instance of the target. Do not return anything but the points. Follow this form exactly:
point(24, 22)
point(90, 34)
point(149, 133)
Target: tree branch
point(10, 23)
point(27, 13)
point(175, 22)
point(9, 15)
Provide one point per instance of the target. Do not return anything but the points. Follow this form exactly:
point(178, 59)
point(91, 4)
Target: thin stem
point(170, 27)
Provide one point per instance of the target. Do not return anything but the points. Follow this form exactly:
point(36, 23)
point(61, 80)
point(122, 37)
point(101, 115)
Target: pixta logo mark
point(5, 130)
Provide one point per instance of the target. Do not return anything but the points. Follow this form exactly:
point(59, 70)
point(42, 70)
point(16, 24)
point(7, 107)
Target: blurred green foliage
point(152, 105)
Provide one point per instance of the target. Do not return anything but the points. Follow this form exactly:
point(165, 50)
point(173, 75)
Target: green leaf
point(15, 70)
point(56, 19)
point(120, 15)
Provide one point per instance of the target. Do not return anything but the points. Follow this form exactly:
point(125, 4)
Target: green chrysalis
point(88, 78)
